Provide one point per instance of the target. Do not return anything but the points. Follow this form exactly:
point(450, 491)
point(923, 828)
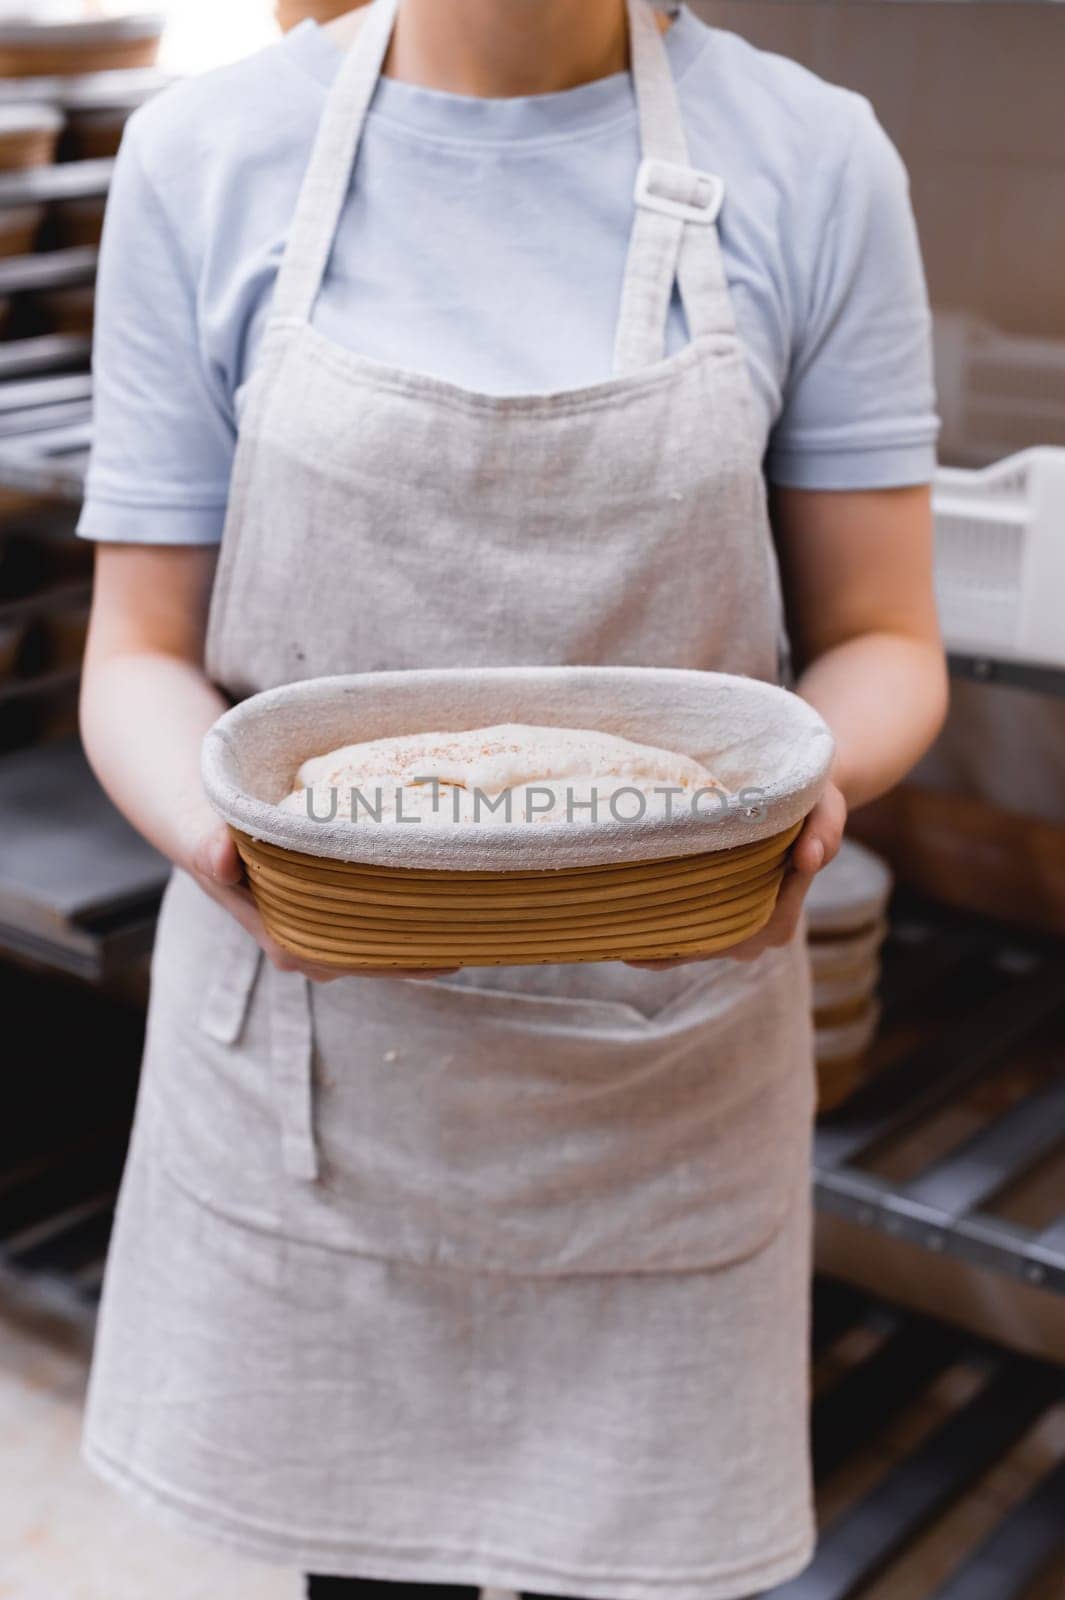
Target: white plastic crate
point(997, 392)
point(1000, 557)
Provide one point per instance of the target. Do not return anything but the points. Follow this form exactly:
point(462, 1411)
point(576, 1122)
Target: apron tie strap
point(674, 232)
point(228, 995)
point(292, 1066)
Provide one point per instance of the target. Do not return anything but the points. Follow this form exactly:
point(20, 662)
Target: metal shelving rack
point(1039, 677)
point(1019, 980)
point(921, 1482)
point(47, 917)
point(947, 1206)
point(44, 416)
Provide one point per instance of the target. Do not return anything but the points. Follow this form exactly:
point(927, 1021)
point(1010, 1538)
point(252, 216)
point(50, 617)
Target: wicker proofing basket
point(30, 49)
point(372, 895)
point(840, 1051)
point(28, 136)
point(19, 226)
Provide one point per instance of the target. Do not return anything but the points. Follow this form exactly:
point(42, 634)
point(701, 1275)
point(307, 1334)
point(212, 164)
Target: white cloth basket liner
point(750, 734)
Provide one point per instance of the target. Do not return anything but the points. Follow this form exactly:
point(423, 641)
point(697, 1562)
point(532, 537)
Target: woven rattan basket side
point(352, 915)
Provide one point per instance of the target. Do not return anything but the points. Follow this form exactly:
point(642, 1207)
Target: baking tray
point(50, 269)
point(79, 888)
point(939, 1459)
point(66, 180)
point(46, 416)
point(1041, 678)
point(965, 1099)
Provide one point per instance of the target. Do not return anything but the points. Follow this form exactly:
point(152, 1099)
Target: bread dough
point(507, 773)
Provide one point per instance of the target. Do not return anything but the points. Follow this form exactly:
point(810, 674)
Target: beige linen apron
point(500, 1278)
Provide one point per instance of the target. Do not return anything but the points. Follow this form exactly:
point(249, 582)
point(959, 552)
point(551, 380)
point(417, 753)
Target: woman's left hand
point(814, 848)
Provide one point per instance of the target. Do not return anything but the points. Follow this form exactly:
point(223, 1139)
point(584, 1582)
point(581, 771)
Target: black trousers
point(324, 1588)
point(319, 1588)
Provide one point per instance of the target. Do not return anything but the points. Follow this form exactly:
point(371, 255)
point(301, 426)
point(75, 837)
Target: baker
point(480, 333)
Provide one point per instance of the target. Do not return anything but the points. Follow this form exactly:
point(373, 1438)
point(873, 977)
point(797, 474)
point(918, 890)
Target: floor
point(63, 1534)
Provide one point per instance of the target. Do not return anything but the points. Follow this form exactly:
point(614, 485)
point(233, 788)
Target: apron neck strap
point(674, 234)
point(661, 126)
point(328, 177)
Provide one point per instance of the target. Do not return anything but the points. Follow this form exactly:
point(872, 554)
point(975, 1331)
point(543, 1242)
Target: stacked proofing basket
point(372, 894)
point(845, 925)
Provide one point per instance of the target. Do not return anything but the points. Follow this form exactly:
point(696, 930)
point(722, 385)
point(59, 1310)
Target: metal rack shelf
point(43, 602)
point(51, 352)
point(79, 889)
point(62, 681)
point(920, 1476)
point(1033, 675)
point(1010, 1000)
point(51, 269)
point(66, 180)
point(46, 416)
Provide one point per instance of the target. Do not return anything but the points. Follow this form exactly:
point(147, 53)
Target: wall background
point(974, 97)
point(206, 33)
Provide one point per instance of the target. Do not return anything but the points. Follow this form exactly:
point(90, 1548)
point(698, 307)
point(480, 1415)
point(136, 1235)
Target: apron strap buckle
point(687, 194)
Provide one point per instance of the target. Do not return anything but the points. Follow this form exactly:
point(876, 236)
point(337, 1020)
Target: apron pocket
point(635, 994)
point(493, 1129)
point(481, 1128)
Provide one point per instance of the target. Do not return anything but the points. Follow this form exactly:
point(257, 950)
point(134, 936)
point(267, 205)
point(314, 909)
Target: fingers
point(239, 903)
point(821, 835)
point(216, 857)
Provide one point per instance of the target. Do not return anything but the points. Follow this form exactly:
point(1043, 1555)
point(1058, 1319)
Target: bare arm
point(145, 701)
point(146, 704)
point(857, 572)
point(857, 577)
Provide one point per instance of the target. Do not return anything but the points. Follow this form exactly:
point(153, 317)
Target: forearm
point(884, 695)
point(143, 718)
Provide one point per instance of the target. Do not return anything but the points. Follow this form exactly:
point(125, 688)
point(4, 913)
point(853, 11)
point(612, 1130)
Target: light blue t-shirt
point(484, 242)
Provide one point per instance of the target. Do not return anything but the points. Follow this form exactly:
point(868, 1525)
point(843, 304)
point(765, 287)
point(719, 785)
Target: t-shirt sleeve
point(163, 429)
point(859, 408)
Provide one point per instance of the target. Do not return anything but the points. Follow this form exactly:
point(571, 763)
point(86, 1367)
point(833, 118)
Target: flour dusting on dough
point(548, 775)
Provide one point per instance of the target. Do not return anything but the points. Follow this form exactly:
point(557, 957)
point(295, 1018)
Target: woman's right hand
point(217, 868)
